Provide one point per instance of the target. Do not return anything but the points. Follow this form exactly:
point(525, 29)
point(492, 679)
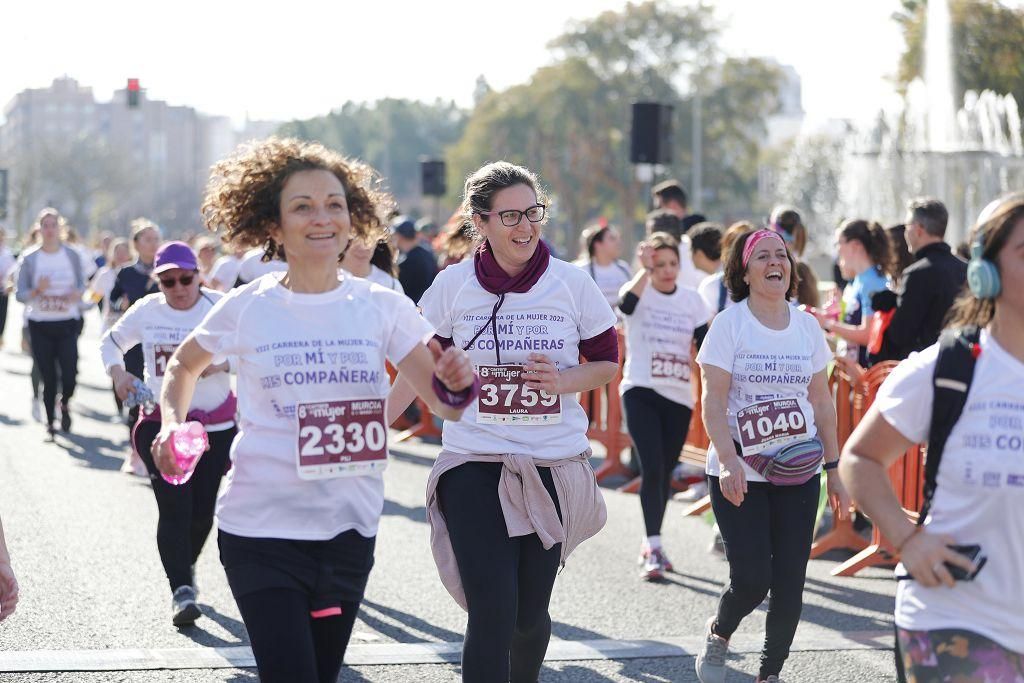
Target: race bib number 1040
point(505, 398)
point(341, 438)
point(770, 424)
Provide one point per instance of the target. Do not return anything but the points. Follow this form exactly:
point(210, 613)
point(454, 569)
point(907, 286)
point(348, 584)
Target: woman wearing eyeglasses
point(512, 492)
point(159, 323)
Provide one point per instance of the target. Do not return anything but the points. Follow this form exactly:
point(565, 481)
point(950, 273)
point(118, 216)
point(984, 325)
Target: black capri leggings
point(658, 428)
point(767, 543)
point(55, 344)
point(186, 511)
point(298, 599)
point(507, 581)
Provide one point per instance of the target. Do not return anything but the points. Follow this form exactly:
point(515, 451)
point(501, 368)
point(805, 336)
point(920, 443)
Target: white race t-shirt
point(252, 266)
point(689, 275)
point(659, 334)
point(225, 271)
point(710, 290)
point(562, 308)
point(51, 305)
point(765, 365)
point(294, 348)
point(609, 278)
point(160, 329)
point(979, 496)
point(382, 278)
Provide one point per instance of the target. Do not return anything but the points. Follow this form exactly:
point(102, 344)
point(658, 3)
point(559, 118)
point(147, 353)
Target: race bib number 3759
point(341, 438)
point(770, 424)
point(505, 398)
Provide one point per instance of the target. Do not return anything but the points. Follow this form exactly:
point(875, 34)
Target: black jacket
point(927, 290)
point(416, 271)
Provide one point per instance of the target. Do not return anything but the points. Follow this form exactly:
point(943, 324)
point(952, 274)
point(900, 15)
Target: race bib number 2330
point(341, 438)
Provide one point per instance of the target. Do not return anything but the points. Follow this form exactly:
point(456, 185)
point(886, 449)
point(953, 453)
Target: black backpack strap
point(951, 383)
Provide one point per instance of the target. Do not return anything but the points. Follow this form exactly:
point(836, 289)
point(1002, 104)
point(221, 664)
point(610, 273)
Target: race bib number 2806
point(505, 398)
point(341, 438)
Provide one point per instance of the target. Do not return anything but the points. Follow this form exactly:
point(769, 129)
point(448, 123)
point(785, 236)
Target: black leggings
point(658, 428)
point(767, 542)
point(3, 313)
point(507, 581)
point(55, 343)
point(185, 512)
point(289, 645)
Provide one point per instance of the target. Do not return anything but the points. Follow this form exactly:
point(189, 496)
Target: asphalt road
point(81, 535)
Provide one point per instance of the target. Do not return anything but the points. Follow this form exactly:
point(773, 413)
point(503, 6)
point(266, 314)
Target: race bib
point(53, 304)
point(505, 399)
point(341, 438)
point(670, 366)
point(161, 357)
point(770, 424)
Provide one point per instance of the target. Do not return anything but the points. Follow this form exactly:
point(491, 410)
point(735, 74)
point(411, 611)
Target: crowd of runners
point(330, 313)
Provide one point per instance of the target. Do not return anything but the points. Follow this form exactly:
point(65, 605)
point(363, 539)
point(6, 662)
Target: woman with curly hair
point(298, 516)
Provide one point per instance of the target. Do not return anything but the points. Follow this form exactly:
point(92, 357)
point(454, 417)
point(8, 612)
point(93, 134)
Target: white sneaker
point(710, 664)
point(692, 494)
point(37, 410)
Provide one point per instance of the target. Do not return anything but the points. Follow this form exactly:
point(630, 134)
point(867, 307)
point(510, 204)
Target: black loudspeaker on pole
point(432, 178)
point(650, 140)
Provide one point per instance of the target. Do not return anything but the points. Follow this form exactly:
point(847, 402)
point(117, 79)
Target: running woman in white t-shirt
point(603, 245)
point(373, 261)
point(514, 470)
point(766, 399)
point(657, 396)
point(951, 630)
point(298, 516)
point(159, 323)
point(51, 280)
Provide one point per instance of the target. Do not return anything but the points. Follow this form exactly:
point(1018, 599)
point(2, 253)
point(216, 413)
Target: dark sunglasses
point(169, 282)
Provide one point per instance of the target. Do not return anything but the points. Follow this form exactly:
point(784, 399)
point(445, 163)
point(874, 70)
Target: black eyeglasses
point(510, 218)
point(169, 282)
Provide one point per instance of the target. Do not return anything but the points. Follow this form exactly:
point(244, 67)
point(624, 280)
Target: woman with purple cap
point(160, 322)
point(769, 413)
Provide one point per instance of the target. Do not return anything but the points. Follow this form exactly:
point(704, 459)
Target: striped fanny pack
point(793, 465)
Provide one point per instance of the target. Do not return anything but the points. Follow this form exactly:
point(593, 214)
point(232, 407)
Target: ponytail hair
point(875, 240)
point(786, 219)
point(993, 228)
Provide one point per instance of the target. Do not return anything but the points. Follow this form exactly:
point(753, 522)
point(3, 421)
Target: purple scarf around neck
point(495, 280)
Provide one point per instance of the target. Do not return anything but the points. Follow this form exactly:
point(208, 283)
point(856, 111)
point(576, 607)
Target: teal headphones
point(982, 274)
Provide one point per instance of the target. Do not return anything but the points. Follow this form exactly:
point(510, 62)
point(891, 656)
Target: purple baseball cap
point(173, 255)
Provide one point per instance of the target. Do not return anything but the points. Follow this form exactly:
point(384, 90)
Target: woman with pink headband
point(769, 413)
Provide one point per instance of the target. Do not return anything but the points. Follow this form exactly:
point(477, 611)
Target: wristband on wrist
point(455, 399)
point(830, 465)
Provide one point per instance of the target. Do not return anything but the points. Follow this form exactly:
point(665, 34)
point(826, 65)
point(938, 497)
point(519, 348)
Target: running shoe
point(37, 410)
point(645, 553)
point(184, 610)
point(654, 566)
point(710, 664)
point(51, 433)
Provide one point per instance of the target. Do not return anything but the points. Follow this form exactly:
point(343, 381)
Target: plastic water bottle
point(140, 395)
point(188, 442)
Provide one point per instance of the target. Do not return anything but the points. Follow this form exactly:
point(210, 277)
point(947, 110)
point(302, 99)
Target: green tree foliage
point(391, 135)
point(571, 122)
point(987, 39)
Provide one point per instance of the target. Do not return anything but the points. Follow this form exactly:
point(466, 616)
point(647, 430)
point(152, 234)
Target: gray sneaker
point(184, 610)
point(710, 663)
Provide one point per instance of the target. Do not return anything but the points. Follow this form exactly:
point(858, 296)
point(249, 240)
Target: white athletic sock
point(654, 542)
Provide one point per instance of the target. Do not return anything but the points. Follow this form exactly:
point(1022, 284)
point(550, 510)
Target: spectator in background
point(928, 286)
point(206, 255)
point(670, 196)
point(713, 289)
point(427, 231)
point(7, 262)
point(786, 221)
point(901, 255)
point(416, 265)
point(665, 220)
point(602, 246)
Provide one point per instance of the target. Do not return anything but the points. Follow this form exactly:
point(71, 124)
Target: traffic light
point(133, 93)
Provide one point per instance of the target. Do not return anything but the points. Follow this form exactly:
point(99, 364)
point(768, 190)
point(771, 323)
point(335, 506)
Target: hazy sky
point(302, 58)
